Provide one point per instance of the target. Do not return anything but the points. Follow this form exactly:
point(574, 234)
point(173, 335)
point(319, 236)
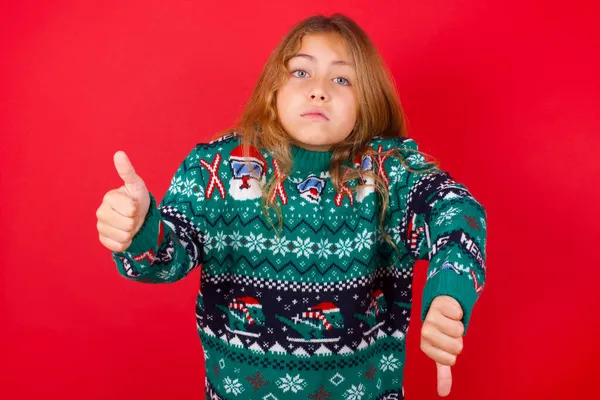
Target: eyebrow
point(312, 58)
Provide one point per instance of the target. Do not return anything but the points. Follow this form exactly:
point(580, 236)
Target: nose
point(317, 92)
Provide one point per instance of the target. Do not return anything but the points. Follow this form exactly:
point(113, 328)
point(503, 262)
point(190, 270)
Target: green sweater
point(319, 311)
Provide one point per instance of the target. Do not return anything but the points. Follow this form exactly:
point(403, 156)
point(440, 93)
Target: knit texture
point(320, 311)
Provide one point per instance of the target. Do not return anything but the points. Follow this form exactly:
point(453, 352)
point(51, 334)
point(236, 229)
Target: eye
point(342, 81)
point(300, 73)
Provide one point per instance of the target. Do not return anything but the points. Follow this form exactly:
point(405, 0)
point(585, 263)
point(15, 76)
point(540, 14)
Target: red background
point(504, 93)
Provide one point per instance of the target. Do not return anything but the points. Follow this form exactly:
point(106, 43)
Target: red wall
point(505, 94)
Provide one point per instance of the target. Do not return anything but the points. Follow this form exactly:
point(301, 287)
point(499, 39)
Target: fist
point(441, 338)
point(123, 210)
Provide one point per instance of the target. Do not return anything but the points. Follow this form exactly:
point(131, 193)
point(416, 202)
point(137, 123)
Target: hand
point(123, 210)
point(441, 338)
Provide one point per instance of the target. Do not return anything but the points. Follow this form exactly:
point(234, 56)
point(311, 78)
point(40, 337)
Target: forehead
point(326, 46)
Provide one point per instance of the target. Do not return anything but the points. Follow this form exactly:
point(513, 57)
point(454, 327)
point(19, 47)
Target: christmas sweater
point(319, 311)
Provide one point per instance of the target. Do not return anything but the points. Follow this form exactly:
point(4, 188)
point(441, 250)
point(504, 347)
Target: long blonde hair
point(379, 111)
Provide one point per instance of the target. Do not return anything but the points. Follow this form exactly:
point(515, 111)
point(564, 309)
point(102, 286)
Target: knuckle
point(124, 237)
point(105, 242)
point(430, 317)
point(107, 196)
point(458, 312)
point(129, 225)
point(130, 208)
point(461, 329)
point(459, 348)
point(135, 206)
point(426, 331)
point(452, 360)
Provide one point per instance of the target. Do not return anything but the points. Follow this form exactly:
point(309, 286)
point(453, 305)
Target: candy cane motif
point(478, 287)
point(279, 189)
point(214, 177)
point(414, 234)
point(318, 315)
point(344, 191)
point(380, 168)
point(238, 306)
point(150, 255)
point(413, 237)
point(374, 298)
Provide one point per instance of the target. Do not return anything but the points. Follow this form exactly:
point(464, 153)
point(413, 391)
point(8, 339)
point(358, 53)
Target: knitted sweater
point(320, 311)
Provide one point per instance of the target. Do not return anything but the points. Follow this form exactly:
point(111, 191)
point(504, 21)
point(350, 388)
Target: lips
point(315, 114)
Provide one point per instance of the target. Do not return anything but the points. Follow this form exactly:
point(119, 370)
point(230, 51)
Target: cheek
point(285, 97)
point(282, 102)
point(349, 110)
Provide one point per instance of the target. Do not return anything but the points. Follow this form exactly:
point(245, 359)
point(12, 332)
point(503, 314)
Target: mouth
point(317, 115)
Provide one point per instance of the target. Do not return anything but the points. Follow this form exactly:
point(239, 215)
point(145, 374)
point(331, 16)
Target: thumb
point(135, 186)
point(444, 379)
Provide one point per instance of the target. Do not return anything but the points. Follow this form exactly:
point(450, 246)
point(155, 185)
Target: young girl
point(307, 220)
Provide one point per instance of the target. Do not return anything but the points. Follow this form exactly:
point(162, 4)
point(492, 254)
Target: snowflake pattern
point(303, 247)
point(447, 215)
point(220, 241)
point(396, 234)
point(324, 248)
point(232, 386)
point(176, 185)
point(236, 240)
point(396, 173)
point(207, 242)
point(256, 242)
point(187, 188)
point(363, 240)
point(355, 392)
point(280, 246)
point(344, 247)
point(288, 383)
point(389, 363)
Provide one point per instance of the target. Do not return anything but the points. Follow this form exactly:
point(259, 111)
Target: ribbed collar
point(310, 160)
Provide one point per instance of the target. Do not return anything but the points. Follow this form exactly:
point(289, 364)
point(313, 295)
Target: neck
point(312, 147)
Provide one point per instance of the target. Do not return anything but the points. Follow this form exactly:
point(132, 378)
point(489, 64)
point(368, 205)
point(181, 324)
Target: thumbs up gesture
point(441, 338)
point(123, 210)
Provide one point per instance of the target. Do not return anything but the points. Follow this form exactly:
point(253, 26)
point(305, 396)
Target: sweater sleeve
point(169, 244)
point(446, 225)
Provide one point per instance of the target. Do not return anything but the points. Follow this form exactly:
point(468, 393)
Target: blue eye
point(343, 81)
point(298, 71)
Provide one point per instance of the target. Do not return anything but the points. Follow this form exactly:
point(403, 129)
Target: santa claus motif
point(248, 173)
point(366, 164)
point(311, 188)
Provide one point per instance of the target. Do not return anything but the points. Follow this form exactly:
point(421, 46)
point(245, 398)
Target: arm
point(446, 225)
point(169, 244)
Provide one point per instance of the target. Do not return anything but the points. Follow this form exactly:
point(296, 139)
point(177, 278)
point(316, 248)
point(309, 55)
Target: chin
point(314, 139)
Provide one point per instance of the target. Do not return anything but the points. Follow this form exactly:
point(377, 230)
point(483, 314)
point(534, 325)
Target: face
point(317, 105)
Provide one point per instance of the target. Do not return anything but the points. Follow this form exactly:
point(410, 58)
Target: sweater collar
point(310, 160)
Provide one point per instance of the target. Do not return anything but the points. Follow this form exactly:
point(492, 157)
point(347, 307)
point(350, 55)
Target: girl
point(307, 219)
